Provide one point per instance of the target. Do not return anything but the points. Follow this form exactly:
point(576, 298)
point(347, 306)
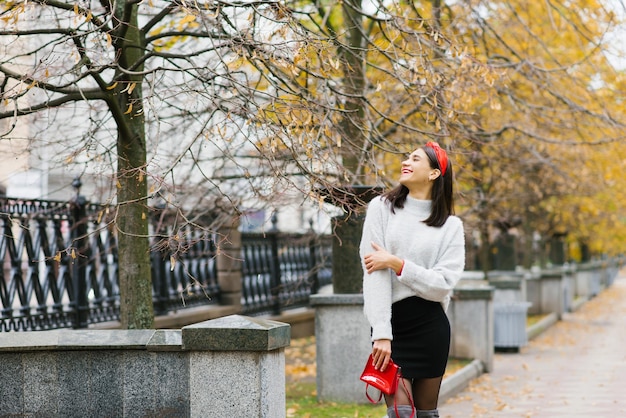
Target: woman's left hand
point(381, 259)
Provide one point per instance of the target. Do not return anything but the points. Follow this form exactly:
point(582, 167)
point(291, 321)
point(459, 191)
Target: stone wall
point(227, 367)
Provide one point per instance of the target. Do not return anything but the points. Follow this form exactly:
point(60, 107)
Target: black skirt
point(421, 337)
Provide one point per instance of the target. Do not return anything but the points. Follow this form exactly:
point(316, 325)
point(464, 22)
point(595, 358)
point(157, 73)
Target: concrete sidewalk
point(577, 368)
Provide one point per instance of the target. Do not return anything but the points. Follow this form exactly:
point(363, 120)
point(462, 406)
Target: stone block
point(229, 281)
point(471, 323)
point(103, 339)
point(230, 237)
point(12, 386)
point(139, 382)
point(41, 385)
point(236, 333)
point(257, 376)
point(75, 397)
point(230, 299)
point(165, 340)
point(229, 260)
point(533, 295)
point(343, 343)
point(552, 293)
point(106, 379)
point(172, 391)
point(508, 289)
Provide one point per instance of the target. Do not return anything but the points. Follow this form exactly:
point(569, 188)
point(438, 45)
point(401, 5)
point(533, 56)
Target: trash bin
point(510, 324)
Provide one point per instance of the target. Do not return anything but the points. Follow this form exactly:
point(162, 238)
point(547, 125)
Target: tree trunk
point(135, 279)
point(351, 124)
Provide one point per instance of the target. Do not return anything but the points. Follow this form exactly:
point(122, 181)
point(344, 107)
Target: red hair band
point(442, 156)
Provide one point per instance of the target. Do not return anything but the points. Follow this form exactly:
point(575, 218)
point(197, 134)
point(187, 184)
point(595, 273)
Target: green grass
point(302, 400)
point(302, 403)
point(533, 319)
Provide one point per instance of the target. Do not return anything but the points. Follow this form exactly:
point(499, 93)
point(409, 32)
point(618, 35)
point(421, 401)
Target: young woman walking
point(413, 254)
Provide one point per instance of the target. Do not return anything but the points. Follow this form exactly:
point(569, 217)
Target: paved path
point(577, 368)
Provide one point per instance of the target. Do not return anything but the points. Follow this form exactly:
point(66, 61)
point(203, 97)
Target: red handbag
point(386, 382)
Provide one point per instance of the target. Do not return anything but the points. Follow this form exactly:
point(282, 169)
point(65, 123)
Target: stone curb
point(540, 326)
point(460, 380)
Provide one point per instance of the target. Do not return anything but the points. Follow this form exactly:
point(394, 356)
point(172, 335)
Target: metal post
point(159, 278)
point(313, 267)
point(275, 267)
point(80, 253)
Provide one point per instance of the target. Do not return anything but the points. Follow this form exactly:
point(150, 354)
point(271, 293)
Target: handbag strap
point(395, 404)
point(369, 398)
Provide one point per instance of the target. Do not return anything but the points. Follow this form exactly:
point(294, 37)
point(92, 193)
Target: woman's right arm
point(376, 285)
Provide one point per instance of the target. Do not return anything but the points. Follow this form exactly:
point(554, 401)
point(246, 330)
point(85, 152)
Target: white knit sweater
point(434, 258)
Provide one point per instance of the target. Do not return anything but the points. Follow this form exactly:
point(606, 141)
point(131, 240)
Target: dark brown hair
point(443, 201)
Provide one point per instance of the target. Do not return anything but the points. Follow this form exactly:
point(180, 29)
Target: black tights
point(425, 393)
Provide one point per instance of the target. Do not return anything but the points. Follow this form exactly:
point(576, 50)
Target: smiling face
point(417, 174)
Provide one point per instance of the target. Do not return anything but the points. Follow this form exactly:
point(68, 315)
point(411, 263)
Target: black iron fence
point(59, 267)
point(283, 270)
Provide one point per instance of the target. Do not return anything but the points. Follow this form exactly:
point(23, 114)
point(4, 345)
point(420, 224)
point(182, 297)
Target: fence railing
point(59, 267)
point(282, 270)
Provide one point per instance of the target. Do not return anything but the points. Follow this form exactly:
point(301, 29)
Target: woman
point(413, 253)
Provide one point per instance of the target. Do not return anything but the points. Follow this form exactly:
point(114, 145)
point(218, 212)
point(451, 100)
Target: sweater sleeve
point(437, 282)
point(377, 285)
